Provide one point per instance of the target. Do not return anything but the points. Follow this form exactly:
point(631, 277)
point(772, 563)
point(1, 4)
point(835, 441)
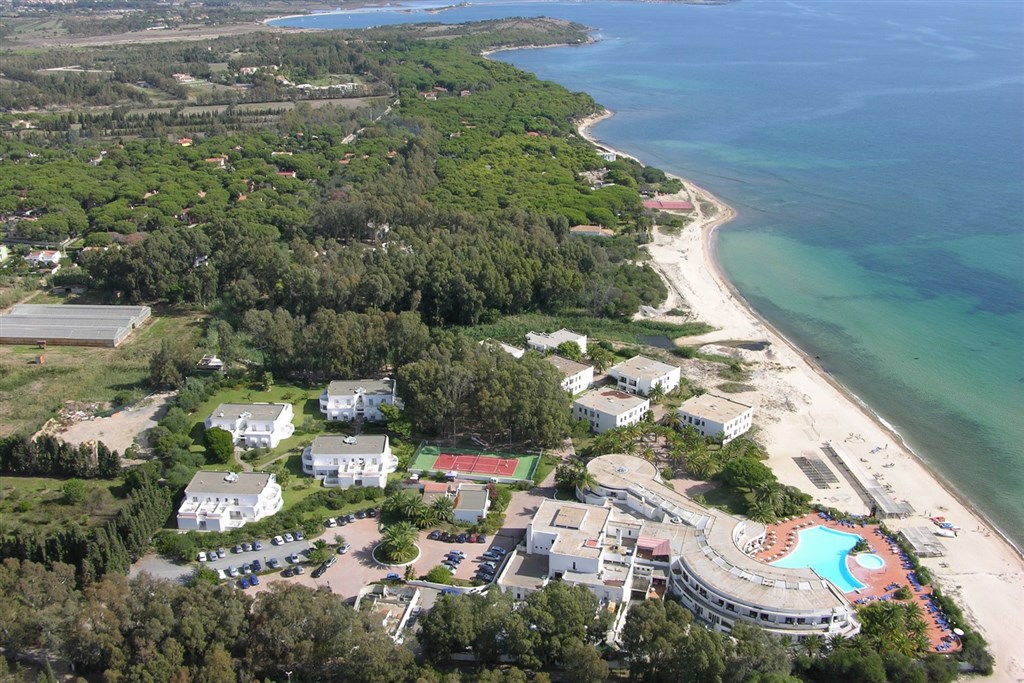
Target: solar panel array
point(817, 471)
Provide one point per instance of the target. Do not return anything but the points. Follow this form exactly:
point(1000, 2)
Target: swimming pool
point(824, 550)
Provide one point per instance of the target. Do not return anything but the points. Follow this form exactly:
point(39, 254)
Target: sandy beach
point(798, 407)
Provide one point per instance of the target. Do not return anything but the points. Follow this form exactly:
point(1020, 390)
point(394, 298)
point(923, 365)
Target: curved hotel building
point(635, 538)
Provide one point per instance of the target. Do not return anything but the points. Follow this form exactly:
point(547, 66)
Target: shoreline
point(799, 405)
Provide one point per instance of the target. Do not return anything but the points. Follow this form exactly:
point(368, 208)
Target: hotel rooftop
point(714, 407)
point(611, 401)
point(643, 367)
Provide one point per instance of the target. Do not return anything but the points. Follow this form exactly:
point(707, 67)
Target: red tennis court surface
point(504, 467)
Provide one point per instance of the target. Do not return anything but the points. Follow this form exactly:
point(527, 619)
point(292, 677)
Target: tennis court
point(473, 464)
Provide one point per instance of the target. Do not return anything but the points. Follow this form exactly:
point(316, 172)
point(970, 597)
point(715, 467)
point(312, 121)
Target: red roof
point(435, 487)
point(668, 205)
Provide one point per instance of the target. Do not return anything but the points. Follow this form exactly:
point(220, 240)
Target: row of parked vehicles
point(489, 562)
point(342, 520)
point(447, 537)
point(250, 546)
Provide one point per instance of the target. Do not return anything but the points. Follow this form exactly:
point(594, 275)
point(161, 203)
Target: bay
point(875, 153)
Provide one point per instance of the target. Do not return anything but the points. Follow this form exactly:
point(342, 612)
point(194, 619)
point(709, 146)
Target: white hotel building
point(607, 409)
point(711, 415)
point(221, 501)
point(254, 425)
point(544, 342)
point(345, 461)
point(636, 538)
point(576, 377)
point(640, 374)
point(357, 399)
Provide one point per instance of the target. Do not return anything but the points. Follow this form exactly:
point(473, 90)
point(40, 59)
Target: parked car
point(318, 572)
point(299, 536)
point(482, 538)
point(472, 538)
point(277, 540)
point(247, 547)
point(273, 563)
point(254, 580)
point(361, 514)
point(350, 517)
point(257, 545)
point(221, 553)
point(237, 549)
point(488, 565)
point(247, 568)
point(457, 553)
point(434, 535)
point(287, 571)
point(330, 523)
point(244, 582)
point(446, 537)
point(393, 577)
point(490, 557)
point(299, 569)
point(372, 512)
point(498, 549)
point(202, 556)
point(341, 520)
point(293, 558)
point(329, 562)
point(288, 538)
point(461, 538)
point(232, 571)
point(343, 548)
point(484, 576)
point(256, 566)
point(449, 566)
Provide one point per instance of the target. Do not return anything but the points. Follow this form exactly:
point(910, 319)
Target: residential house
point(640, 374)
point(543, 342)
point(713, 415)
point(607, 409)
point(254, 425)
point(345, 461)
point(221, 501)
point(577, 377)
point(471, 503)
point(45, 258)
point(357, 399)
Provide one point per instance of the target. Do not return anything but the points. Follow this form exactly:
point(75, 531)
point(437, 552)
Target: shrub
point(439, 574)
point(74, 491)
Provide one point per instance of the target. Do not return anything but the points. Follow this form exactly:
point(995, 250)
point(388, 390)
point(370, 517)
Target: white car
point(202, 556)
point(288, 538)
point(278, 540)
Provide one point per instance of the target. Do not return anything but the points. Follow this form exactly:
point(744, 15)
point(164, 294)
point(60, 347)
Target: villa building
point(543, 342)
point(357, 399)
point(513, 351)
point(711, 415)
point(640, 374)
point(471, 503)
point(345, 461)
point(254, 425)
point(46, 258)
point(577, 377)
point(221, 501)
point(607, 409)
point(635, 538)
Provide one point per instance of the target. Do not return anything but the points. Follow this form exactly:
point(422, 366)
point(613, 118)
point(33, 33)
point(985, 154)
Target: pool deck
point(879, 583)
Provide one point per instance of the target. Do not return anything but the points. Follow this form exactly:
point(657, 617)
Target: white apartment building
point(543, 342)
point(513, 351)
point(607, 409)
point(220, 501)
point(635, 538)
point(711, 415)
point(357, 399)
point(344, 461)
point(640, 374)
point(577, 377)
point(254, 425)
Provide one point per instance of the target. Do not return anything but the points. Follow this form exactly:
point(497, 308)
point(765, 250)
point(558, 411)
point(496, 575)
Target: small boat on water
point(948, 533)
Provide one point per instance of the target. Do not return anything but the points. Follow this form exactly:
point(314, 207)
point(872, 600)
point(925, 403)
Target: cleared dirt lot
point(120, 430)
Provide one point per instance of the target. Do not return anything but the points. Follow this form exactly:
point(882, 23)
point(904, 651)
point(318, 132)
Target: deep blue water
point(875, 152)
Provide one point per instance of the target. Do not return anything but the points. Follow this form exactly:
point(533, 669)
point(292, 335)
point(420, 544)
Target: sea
point(874, 150)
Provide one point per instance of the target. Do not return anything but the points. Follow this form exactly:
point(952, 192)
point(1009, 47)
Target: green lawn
point(726, 499)
point(31, 393)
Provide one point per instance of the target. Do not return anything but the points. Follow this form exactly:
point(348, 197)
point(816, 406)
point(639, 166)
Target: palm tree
point(813, 645)
point(759, 512)
point(771, 495)
point(320, 552)
point(398, 541)
point(656, 394)
point(442, 509)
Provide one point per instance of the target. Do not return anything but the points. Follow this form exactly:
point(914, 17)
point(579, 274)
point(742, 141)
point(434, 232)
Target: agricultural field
point(40, 502)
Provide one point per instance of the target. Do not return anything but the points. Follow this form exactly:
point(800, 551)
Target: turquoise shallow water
point(875, 153)
point(824, 550)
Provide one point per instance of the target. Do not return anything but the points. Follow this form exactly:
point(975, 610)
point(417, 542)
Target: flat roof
point(578, 527)
point(472, 499)
point(713, 407)
point(507, 348)
point(367, 386)
point(349, 445)
point(704, 539)
point(644, 368)
point(555, 338)
point(246, 483)
point(256, 411)
point(610, 401)
point(567, 366)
